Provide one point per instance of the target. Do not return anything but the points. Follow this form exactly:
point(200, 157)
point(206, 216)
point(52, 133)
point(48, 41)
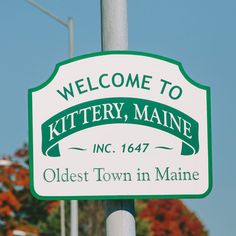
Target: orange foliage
point(170, 217)
point(15, 195)
point(52, 205)
point(23, 152)
point(21, 226)
point(28, 228)
point(8, 204)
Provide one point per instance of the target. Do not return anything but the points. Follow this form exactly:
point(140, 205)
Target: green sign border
point(97, 54)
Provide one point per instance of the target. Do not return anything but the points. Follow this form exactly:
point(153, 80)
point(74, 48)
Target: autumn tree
point(18, 209)
point(167, 218)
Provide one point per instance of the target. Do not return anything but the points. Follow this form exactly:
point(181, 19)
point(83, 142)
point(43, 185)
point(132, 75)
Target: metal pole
point(74, 204)
point(70, 25)
point(114, 25)
point(62, 213)
point(74, 218)
point(47, 12)
point(119, 213)
point(74, 227)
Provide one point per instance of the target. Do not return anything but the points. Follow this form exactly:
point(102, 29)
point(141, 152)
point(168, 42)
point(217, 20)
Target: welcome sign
point(120, 125)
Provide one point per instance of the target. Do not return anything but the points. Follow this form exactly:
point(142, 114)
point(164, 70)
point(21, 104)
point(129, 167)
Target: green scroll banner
point(119, 110)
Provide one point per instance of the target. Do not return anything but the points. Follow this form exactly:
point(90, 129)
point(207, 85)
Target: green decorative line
point(162, 147)
point(79, 149)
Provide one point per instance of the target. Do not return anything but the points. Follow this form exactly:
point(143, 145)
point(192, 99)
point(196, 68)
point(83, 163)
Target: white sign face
point(120, 125)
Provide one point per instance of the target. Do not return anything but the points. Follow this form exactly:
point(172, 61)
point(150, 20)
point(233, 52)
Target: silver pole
point(74, 230)
point(70, 25)
point(74, 218)
point(114, 25)
point(47, 12)
point(119, 213)
point(74, 204)
point(62, 213)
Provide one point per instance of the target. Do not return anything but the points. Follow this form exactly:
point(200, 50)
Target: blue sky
point(201, 34)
